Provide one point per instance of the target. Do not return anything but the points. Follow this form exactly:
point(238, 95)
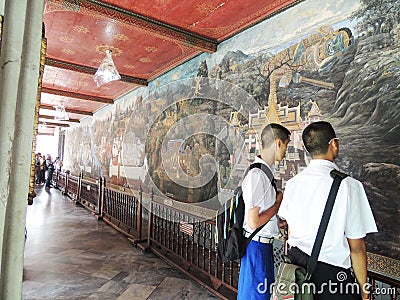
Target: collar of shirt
point(259, 160)
point(323, 163)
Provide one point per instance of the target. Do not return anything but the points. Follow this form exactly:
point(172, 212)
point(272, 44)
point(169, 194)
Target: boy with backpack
point(262, 202)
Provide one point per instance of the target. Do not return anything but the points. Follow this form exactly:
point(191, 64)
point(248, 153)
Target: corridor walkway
point(70, 255)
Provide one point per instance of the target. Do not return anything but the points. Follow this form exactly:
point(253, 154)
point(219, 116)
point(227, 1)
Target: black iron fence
point(184, 237)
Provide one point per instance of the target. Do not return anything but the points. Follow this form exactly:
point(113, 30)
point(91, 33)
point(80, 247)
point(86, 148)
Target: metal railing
point(122, 209)
point(89, 194)
point(187, 242)
point(185, 239)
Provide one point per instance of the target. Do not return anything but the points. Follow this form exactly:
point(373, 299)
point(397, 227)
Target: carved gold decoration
point(1, 26)
point(32, 193)
point(101, 49)
point(384, 265)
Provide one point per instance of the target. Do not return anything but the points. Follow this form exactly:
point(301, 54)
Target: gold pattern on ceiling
point(80, 83)
point(80, 29)
point(145, 60)
point(97, 60)
point(101, 49)
point(66, 39)
point(68, 51)
point(205, 8)
point(120, 37)
point(150, 49)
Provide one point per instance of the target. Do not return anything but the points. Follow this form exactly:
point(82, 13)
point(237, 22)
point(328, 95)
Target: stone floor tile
point(71, 255)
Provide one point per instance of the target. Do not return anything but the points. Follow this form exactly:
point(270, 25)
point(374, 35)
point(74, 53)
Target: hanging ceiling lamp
point(106, 71)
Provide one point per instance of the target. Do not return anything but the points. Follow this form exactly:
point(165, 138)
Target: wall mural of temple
point(192, 132)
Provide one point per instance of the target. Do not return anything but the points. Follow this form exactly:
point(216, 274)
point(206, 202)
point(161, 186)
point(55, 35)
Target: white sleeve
point(360, 219)
point(254, 188)
point(283, 209)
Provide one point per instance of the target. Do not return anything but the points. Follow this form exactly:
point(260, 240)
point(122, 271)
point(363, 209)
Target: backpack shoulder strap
point(267, 171)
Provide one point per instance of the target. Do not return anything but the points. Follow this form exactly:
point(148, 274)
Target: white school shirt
point(258, 191)
point(304, 201)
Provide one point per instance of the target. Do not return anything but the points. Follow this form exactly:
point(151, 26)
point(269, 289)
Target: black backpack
point(230, 241)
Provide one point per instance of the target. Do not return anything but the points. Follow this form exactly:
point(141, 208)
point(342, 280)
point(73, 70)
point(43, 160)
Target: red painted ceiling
point(147, 39)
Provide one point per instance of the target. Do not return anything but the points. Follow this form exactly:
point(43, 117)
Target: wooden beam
point(165, 30)
point(45, 133)
point(52, 118)
point(53, 124)
point(76, 95)
point(89, 70)
point(68, 110)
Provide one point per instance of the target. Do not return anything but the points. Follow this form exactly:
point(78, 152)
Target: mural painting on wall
point(341, 66)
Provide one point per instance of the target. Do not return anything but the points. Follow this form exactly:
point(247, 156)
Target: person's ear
point(335, 144)
point(278, 143)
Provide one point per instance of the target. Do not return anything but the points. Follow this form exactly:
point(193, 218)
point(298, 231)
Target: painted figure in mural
point(261, 205)
point(195, 167)
point(350, 221)
point(201, 78)
point(316, 52)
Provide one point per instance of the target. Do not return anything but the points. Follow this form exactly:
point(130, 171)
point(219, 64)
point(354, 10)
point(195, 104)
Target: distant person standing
point(50, 169)
point(43, 169)
point(37, 167)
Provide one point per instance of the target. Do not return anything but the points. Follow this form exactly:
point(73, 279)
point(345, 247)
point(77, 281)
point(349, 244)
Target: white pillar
point(18, 98)
point(10, 64)
point(2, 7)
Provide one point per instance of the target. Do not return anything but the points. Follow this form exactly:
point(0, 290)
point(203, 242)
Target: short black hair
point(316, 137)
point(272, 132)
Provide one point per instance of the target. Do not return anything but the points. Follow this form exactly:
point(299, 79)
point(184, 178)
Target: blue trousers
point(256, 272)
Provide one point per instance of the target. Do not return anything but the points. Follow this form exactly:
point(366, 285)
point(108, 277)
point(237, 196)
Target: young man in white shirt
point(261, 205)
point(302, 206)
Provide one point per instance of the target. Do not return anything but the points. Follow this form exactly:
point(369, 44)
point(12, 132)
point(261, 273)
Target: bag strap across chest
point(267, 171)
point(312, 262)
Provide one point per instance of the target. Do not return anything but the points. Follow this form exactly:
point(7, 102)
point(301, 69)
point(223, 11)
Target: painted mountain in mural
point(366, 115)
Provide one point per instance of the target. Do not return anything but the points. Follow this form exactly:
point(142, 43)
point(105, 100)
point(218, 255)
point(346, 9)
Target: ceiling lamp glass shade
point(106, 71)
point(61, 114)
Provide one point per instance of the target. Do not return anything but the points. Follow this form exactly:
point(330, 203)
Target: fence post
point(140, 215)
point(66, 183)
point(139, 223)
point(55, 178)
point(150, 222)
point(78, 192)
point(146, 247)
point(99, 214)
